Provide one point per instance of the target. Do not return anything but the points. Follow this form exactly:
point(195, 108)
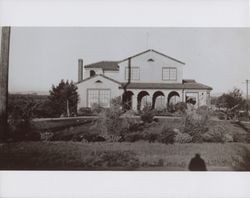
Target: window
point(169, 73)
point(135, 73)
point(99, 96)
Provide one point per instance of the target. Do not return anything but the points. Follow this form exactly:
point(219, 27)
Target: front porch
point(136, 99)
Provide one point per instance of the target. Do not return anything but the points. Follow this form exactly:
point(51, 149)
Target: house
point(149, 77)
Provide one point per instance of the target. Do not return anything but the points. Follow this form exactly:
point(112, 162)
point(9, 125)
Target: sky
point(42, 56)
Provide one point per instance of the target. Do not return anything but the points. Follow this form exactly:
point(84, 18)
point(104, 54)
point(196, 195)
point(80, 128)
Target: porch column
point(134, 102)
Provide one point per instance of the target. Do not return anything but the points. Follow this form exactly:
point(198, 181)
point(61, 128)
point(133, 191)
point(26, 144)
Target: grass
point(152, 156)
point(68, 155)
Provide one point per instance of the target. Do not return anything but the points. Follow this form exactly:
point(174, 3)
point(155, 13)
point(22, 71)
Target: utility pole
point(4, 70)
point(247, 82)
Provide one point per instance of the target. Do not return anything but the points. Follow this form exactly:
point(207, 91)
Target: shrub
point(147, 114)
point(183, 138)
point(180, 107)
point(47, 136)
point(23, 130)
point(96, 108)
point(20, 123)
point(167, 135)
point(85, 111)
point(132, 137)
point(217, 134)
point(109, 122)
point(196, 124)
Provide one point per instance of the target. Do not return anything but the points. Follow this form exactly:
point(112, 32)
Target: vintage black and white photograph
point(125, 98)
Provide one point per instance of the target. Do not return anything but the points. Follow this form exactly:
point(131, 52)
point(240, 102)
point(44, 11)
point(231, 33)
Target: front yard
point(140, 156)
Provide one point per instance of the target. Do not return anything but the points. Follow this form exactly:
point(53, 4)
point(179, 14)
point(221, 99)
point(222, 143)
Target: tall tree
point(64, 98)
point(4, 68)
point(231, 99)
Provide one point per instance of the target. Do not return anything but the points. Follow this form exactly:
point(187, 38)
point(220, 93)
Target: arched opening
point(173, 98)
point(158, 100)
point(92, 73)
point(127, 100)
point(142, 99)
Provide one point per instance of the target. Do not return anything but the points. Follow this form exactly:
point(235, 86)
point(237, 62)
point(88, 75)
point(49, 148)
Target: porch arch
point(92, 73)
point(127, 100)
point(173, 96)
point(155, 96)
point(140, 95)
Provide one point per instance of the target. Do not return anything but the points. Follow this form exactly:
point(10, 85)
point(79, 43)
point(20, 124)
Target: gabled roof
point(152, 50)
point(184, 85)
point(113, 65)
point(86, 79)
point(105, 65)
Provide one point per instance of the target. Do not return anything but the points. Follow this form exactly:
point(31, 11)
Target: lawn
point(150, 156)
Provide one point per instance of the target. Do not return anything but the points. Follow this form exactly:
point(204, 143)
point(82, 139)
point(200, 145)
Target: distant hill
point(35, 97)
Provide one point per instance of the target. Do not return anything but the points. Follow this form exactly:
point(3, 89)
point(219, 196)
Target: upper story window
point(169, 73)
point(135, 73)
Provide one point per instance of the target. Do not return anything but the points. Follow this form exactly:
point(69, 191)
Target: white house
point(148, 77)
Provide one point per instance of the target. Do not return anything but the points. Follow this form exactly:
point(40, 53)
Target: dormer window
point(92, 73)
point(169, 73)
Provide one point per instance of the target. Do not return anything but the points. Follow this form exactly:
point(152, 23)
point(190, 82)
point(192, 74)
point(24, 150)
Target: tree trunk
point(4, 68)
point(68, 113)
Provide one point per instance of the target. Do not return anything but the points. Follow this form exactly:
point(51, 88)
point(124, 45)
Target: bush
point(183, 138)
point(109, 122)
point(96, 108)
point(167, 135)
point(180, 107)
point(20, 121)
point(23, 130)
point(132, 137)
point(196, 124)
point(217, 134)
point(85, 111)
point(147, 114)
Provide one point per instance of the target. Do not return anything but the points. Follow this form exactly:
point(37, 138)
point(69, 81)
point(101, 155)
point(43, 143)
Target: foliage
point(167, 135)
point(180, 107)
point(183, 138)
point(85, 111)
point(21, 127)
point(109, 122)
point(147, 114)
point(64, 98)
point(22, 108)
point(231, 100)
point(217, 134)
point(196, 124)
point(96, 108)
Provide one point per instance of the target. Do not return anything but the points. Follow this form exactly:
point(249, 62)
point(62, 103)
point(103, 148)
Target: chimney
point(80, 70)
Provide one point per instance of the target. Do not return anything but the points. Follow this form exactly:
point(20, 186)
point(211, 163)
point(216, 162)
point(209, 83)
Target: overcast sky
point(40, 57)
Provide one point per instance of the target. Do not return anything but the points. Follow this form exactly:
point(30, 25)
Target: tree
point(231, 101)
point(64, 98)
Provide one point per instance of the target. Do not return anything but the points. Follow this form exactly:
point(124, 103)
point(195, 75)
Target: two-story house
point(148, 77)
